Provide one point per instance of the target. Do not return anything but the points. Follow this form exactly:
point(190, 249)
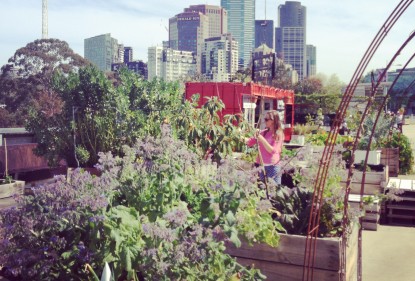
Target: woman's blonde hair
point(277, 130)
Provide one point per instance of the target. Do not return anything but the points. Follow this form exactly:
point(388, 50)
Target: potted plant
point(383, 126)
point(9, 186)
point(299, 132)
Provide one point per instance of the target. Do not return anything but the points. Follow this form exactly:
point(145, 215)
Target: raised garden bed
point(371, 218)
point(8, 189)
point(373, 157)
point(390, 158)
point(285, 263)
point(374, 182)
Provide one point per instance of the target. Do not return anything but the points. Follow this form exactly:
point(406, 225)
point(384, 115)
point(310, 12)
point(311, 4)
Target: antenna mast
point(44, 19)
point(265, 10)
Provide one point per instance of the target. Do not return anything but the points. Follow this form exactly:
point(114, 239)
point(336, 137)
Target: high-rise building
point(311, 60)
point(188, 31)
point(220, 58)
point(128, 54)
point(169, 64)
point(290, 36)
point(102, 50)
point(264, 33)
point(217, 16)
point(241, 24)
point(154, 62)
point(138, 67)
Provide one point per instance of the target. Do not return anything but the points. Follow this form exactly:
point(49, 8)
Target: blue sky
point(341, 30)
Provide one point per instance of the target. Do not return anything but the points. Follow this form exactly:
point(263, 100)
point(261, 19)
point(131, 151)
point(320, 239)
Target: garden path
point(388, 253)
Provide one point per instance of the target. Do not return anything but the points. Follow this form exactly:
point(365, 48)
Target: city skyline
point(341, 31)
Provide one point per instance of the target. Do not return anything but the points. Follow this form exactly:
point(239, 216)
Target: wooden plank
point(393, 183)
point(401, 207)
point(370, 177)
point(354, 202)
point(401, 216)
point(406, 185)
point(369, 189)
point(287, 272)
point(370, 225)
point(291, 251)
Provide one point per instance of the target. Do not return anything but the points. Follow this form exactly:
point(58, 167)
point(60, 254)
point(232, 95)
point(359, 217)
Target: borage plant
point(157, 213)
point(173, 213)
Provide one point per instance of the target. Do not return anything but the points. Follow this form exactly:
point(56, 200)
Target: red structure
point(250, 99)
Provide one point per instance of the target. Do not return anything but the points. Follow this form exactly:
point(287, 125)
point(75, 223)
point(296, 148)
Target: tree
point(332, 90)
point(319, 92)
point(98, 114)
point(282, 78)
point(28, 74)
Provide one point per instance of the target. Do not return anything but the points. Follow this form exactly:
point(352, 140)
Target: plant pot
point(297, 139)
point(9, 189)
point(373, 158)
point(285, 262)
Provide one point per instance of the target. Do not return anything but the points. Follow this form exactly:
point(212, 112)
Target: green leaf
point(230, 218)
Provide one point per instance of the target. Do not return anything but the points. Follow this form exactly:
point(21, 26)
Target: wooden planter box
point(8, 189)
point(285, 263)
point(373, 158)
point(374, 182)
point(371, 218)
point(390, 157)
point(297, 139)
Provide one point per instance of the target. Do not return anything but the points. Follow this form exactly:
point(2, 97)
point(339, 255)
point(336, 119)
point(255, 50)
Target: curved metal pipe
point(314, 219)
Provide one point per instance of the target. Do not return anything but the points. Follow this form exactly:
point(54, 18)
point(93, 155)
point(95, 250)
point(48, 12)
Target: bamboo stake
point(5, 156)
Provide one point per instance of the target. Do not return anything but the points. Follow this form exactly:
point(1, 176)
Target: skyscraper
point(187, 32)
point(241, 24)
point(217, 16)
point(128, 54)
point(264, 33)
point(102, 50)
point(311, 60)
point(290, 36)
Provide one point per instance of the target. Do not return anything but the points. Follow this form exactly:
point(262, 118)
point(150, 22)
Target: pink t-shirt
point(268, 158)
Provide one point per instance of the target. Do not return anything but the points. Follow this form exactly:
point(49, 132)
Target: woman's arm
point(268, 147)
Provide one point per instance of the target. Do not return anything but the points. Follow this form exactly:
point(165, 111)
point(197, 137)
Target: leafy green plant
point(302, 129)
point(383, 127)
point(203, 129)
point(157, 213)
point(295, 203)
point(406, 157)
point(8, 179)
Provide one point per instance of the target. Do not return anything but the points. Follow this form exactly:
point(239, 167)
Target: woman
point(270, 146)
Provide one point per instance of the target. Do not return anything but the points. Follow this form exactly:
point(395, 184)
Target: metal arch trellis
point(381, 106)
point(320, 180)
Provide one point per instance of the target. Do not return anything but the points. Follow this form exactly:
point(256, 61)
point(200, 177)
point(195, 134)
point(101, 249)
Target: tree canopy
point(28, 74)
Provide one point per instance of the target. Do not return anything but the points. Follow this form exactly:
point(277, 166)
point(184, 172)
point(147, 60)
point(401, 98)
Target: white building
point(220, 58)
point(169, 64)
point(102, 51)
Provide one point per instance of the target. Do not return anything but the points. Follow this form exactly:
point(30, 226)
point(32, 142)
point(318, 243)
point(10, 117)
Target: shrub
point(406, 157)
